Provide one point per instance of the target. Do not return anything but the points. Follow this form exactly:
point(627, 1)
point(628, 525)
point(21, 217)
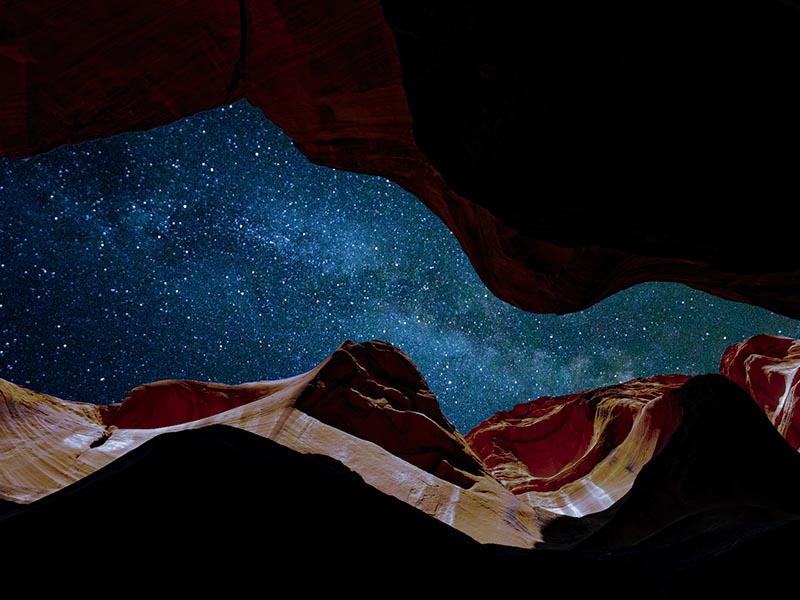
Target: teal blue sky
point(212, 249)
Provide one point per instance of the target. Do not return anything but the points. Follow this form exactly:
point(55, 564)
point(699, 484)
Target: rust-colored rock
point(579, 454)
point(376, 393)
point(366, 406)
point(172, 402)
point(725, 478)
point(768, 368)
point(40, 437)
point(668, 477)
point(538, 156)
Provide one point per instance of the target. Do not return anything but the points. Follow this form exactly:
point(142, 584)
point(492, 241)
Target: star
point(211, 249)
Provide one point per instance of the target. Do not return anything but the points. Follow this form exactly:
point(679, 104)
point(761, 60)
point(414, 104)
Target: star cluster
point(211, 249)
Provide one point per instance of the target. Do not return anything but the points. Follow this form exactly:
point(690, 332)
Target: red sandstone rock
point(581, 453)
point(370, 390)
point(768, 368)
point(330, 75)
point(380, 396)
point(724, 477)
point(172, 402)
point(366, 406)
point(646, 465)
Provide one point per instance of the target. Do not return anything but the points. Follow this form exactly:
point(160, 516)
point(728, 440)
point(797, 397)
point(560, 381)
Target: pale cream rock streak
point(784, 411)
point(613, 476)
point(57, 452)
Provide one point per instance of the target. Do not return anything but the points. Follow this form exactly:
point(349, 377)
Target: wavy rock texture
point(218, 510)
point(581, 471)
point(366, 406)
point(40, 438)
point(768, 368)
point(537, 154)
point(579, 454)
point(725, 478)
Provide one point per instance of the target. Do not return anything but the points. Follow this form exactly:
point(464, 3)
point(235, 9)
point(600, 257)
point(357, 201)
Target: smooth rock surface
point(580, 454)
point(768, 368)
point(366, 406)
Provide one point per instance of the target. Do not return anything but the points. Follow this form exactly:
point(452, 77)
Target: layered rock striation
point(579, 454)
point(653, 465)
point(768, 368)
point(366, 406)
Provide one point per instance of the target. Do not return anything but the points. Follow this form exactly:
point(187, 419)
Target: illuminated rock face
point(366, 406)
point(663, 480)
point(724, 480)
point(376, 393)
point(579, 454)
point(768, 368)
point(571, 455)
point(41, 442)
point(555, 471)
point(538, 155)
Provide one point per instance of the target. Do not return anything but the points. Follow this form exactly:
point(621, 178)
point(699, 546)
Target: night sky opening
point(211, 249)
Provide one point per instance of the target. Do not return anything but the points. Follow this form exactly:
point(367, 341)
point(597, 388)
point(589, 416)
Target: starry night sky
point(211, 249)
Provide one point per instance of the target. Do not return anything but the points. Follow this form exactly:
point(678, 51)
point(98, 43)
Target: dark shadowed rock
point(575, 150)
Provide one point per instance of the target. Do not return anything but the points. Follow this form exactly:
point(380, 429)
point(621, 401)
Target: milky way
point(211, 249)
